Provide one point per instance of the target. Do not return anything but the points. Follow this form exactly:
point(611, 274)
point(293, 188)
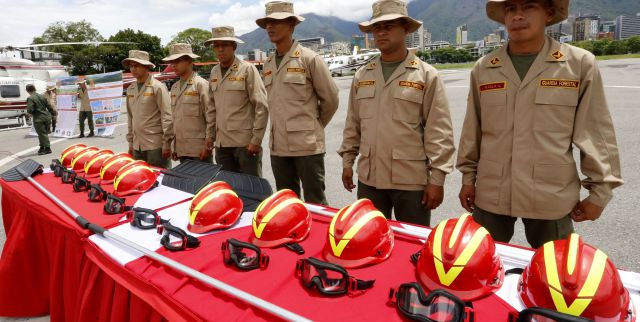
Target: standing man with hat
point(239, 102)
point(398, 122)
point(150, 129)
point(302, 100)
point(39, 107)
point(530, 103)
point(190, 107)
point(50, 95)
point(85, 112)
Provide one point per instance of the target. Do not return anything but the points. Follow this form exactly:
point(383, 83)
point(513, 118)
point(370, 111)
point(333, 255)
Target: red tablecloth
point(44, 268)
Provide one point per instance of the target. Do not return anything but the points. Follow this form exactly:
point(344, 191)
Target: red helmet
point(67, 155)
point(575, 278)
point(77, 164)
point(280, 219)
point(136, 177)
point(460, 257)
point(94, 163)
point(358, 235)
point(111, 165)
point(216, 206)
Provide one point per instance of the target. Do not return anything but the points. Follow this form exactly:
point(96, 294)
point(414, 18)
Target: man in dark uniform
point(38, 106)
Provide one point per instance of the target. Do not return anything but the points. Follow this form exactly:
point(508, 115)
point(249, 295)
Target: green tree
point(73, 55)
point(196, 38)
point(633, 44)
point(615, 48)
point(112, 55)
point(599, 47)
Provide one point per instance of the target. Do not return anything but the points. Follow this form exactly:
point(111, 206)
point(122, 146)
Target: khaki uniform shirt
point(401, 128)
point(302, 100)
point(239, 103)
point(149, 111)
point(516, 143)
point(85, 103)
point(189, 107)
point(53, 101)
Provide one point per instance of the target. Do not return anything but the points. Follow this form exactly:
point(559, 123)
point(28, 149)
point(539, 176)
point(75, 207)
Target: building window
point(9, 91)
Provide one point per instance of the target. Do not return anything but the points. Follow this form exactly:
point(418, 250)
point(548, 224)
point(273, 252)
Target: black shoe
point(91, 135)
point(81, 135)
point(41, 151)
point(47, 151)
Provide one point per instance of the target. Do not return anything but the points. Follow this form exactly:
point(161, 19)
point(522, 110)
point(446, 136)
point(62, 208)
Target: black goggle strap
point(528, 315)
point(415, 256)
point(263, 259)
point(360, 285)
point(111, 199)
point(295, 247)
point(81, 184)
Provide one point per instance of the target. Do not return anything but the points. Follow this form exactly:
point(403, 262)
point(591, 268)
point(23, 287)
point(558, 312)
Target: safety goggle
point(437, 306)
point(144, 218)
point(68, 176)
point(536, 314)
point(327, 278)
point(56, 167)
point(175, 239)
point(81, 184)
point(115, 205)
point(244, 256)
point(97, 194)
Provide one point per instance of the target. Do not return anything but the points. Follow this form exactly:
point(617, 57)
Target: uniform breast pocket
point(296, 86)
point(555, 109)
point(364, 99)
point(191, 106)
point(493, 110)
point(407, 104)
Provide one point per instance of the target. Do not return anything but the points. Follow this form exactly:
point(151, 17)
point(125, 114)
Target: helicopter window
point(9, 91)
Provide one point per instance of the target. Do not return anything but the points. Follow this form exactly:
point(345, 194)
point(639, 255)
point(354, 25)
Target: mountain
point(440, 17)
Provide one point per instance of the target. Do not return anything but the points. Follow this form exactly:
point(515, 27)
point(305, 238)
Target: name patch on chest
point(366, 83)
point(215, 80)
point(493, 86)
point(149, 94)
point(236, 79)
point(562, 83)
point(190, 93)
point(415, 85)
point(295, 70)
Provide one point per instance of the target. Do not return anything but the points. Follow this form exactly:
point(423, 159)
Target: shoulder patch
point(372, 66)
point(560, 83)
point(267, 73)
point(495, 61)
point(413, 63)
point(493, 86)
point(234, 67)
point(296, 54)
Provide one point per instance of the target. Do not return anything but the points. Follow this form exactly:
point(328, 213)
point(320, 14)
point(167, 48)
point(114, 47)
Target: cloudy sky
point(21, 20)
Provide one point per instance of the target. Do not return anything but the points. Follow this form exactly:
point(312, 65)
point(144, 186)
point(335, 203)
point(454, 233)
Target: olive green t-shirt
point(522, 63)
point(389, 67)
point(279, 60)
point(223, 70)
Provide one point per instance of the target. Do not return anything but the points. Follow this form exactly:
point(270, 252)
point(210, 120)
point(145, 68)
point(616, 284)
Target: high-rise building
point(586, 28)
point(462, 35)
point(627, 27)
point(416, 39)
point(257, 55)
point(608, 26)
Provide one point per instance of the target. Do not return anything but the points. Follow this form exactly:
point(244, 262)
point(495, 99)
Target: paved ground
point(616, 232)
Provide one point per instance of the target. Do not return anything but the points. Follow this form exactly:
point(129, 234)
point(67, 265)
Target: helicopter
point(16, 73)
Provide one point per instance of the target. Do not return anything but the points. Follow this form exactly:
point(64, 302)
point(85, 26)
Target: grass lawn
point(609, 57)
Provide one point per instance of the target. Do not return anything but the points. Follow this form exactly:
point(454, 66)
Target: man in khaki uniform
point(50, 95)
point(529, 102)
point(189, 107)
point(150, 130)
point(85, 112)
point(239, 104)
point(302, 100)
point(398, 122)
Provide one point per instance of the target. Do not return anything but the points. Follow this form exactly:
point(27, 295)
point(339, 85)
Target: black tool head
point(23, 170)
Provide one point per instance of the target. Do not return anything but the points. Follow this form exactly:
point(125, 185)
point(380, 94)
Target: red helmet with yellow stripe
point(575, 278)
point(67, 155)
point(111, 165)
point(215, 206)
point(93, 165)
point(136, 177)
point(460, 257)
point(77, 164)
point(280, 219)
point(358, 235)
